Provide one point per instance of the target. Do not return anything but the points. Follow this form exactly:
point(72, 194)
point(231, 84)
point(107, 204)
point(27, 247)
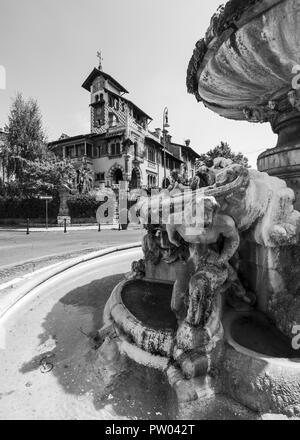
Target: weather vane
point(99, 55)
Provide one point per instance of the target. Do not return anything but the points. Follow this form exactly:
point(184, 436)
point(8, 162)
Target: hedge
point(33, 208)
point(83, 206)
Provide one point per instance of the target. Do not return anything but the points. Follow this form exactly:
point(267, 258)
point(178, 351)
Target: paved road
point(29, 252)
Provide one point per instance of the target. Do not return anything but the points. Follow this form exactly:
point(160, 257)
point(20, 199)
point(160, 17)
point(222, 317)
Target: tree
point(46, 176)
point(26, 138)
point(223, 150)
point(31, 167)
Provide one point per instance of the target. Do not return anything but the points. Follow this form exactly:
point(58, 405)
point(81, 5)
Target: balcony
point(79, 161)
point(117, 130)
point(152, 165)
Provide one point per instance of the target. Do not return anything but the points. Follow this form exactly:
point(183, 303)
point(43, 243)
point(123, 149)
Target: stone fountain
point(215, 302)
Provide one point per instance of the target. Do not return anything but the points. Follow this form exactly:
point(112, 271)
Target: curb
point(35, 279)
point(73, 228)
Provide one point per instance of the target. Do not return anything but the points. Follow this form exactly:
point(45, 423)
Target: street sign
point(47, 199)
point(50, 198)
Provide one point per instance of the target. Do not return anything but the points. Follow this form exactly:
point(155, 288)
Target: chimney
point(187, 142)
point(168, 138)
point(158, 132)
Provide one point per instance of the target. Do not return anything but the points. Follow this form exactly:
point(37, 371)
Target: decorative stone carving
point(138, 270)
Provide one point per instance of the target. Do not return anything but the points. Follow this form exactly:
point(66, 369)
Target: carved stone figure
point(195, 293)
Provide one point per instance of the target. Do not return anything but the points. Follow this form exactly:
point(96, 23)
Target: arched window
point(118, 176)
point(113, 149)
point(166, 183)
point(151, 180)
point(134, 179)
point(112, 120)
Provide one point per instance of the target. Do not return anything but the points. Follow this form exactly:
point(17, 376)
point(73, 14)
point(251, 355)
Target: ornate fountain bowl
point(243, 69)
point(247, 68)
point(141, 314)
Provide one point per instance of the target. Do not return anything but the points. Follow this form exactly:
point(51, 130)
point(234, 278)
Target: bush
point(83, 206)
point(33, 208)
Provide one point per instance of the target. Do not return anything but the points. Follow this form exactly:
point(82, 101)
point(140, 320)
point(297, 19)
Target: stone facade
point(120, 145)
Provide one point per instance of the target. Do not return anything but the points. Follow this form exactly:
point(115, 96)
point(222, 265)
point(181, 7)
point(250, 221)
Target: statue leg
point(184, 388)
point(194, 364)
point(198, 291)
point(109, 358)
point(180, 291)
point(171, 230)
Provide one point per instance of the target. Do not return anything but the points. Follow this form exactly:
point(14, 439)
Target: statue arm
point(230, 232)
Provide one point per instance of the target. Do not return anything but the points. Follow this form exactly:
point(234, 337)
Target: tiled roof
point(185, 147)
point(154, 139)
point(94, 74)
point(129, 102)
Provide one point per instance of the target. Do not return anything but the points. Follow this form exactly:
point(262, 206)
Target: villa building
point(120, 145)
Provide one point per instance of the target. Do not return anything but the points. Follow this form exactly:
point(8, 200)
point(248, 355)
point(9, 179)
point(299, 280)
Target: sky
point(49, 47)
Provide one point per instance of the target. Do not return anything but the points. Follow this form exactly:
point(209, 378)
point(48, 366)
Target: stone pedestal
point(283, 161)
point(163, 271)
point(62, 218)
point(64, 213)
point(274, 276)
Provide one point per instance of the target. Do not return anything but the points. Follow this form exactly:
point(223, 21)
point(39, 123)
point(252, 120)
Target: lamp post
point(165, 125)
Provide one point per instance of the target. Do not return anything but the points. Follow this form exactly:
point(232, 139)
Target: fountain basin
point(260, 369)
point(145, 322)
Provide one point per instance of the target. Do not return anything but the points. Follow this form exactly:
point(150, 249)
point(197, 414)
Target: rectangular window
point(102, 150)
point(100, 177)
point(72, 151)
point(95, 151)
point(151, 154)
point(89, 150)
point(80, 150)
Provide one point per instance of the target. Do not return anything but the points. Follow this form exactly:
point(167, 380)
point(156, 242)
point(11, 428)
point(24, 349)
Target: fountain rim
point(118, 300)
point(198, 62)
point(9, 299)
